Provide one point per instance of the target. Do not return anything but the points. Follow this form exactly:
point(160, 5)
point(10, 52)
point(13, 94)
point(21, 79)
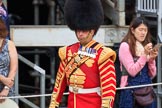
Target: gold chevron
point(106, 68)
point(107, 80)
point(109, 85)
point(109, 91)
point(105, 62)
point(108, 73)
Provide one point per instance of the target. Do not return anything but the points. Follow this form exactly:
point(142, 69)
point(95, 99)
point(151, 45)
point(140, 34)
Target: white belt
point(84, 91)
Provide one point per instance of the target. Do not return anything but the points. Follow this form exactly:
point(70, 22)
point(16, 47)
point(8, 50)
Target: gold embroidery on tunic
point(106, 103)
point(89, 62)
point(53, 103)
point(79, 80)
point(78, 77)
point(62, 52)
point(79, 72)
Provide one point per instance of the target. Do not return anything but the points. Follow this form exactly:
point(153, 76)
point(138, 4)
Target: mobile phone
point(157, 46)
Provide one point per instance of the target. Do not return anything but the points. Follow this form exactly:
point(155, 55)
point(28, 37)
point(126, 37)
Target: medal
point(86, 51)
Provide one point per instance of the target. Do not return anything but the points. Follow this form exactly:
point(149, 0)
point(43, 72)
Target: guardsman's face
point(84, 36)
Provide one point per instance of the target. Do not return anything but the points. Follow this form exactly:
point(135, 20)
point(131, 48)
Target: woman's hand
point(7, 81)
point(153, 53)
point(3, 93)
point(148, 48)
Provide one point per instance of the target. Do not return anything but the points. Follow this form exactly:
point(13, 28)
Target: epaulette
point(105, 54)
point(62, 53)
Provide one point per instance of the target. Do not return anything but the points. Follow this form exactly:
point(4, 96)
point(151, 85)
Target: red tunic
point(94, 72)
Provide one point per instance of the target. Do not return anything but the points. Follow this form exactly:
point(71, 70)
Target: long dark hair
point(3, 29)
point(130, 38)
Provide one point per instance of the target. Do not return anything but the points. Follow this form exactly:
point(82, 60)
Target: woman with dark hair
point(138, 58)
point(8, 63)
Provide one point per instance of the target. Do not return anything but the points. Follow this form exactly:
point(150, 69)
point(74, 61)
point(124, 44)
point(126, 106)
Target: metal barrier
point(42, 83)
point(67, 93)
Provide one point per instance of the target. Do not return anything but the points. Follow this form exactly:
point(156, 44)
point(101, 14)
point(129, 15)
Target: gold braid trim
point(53, 103)
point(62, 53)
point(106, 102)
point(105, 54)
point(98, 46)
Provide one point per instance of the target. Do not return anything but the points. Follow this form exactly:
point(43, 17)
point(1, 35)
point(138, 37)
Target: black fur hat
point(83, 14)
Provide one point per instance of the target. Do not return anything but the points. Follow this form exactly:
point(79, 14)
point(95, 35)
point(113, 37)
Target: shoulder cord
point(83, 60)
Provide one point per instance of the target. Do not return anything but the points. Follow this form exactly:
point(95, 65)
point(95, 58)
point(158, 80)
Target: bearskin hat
point(83, 14)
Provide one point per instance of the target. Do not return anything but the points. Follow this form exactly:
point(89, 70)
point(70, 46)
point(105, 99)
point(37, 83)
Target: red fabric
point(92, 100)
point(92, 74)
